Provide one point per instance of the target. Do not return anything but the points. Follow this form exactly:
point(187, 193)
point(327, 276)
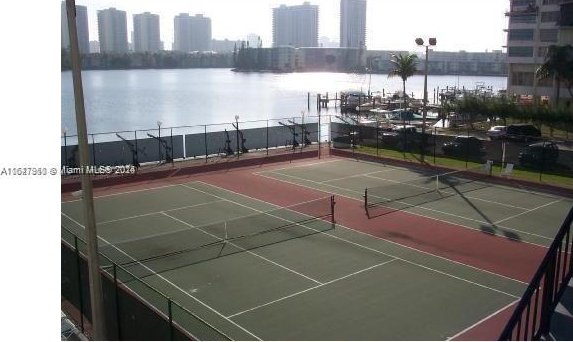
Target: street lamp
point(420, 42)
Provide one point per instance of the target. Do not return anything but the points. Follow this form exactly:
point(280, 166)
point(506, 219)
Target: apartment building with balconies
point(533, 26)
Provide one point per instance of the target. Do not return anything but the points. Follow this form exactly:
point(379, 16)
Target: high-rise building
point(295, 25)
point(81, 27)
point(534, 25)
point(146, 32)
point(192, 33)
point(253, 40)
point(94, 46)
point(352, 23)
point(112, 31)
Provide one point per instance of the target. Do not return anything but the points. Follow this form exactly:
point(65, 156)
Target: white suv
point(497, 132)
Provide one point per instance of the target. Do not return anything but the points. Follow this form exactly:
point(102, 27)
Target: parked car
point(408, 129)
point(538, 154)
point(497, 132)
point(523, 132)
point(463, 145)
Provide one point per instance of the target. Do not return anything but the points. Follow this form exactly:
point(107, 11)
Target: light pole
point(420, 42)
point(96, 296)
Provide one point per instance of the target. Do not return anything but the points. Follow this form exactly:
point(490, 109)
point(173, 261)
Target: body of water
point(119, 100)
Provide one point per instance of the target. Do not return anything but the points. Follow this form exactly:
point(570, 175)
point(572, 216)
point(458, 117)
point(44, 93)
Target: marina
point(127, 100)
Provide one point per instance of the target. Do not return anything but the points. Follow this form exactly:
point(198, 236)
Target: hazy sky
point(390, 24)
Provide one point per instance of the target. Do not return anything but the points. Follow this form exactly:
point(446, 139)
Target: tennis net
point(420, 190)
point(166, 251)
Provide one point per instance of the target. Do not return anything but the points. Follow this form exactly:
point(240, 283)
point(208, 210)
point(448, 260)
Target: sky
point(470, 25)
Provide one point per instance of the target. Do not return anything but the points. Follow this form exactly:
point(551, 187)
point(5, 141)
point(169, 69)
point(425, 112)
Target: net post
point(332, 203)
point(366, 202)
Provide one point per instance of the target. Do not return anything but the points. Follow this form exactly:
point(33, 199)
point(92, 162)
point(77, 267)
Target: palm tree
point(403, 66)
point(558, 65)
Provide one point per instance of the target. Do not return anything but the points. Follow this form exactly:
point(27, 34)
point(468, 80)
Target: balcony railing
point(529, 10)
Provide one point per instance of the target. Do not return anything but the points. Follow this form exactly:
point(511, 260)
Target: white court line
point(528, 211)
point(447, 192)
point(389, 241)
point(412, 205)
point(354, 176)
point(310, 289)
point(159, 212)
point(169, 282)
point(126, 192)
point(302, 165)
point(380, 252)
point(246, 250)
point(482, 320)
point(385, 240)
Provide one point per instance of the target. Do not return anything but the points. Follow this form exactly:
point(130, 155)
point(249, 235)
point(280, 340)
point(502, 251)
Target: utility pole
point(87, 192)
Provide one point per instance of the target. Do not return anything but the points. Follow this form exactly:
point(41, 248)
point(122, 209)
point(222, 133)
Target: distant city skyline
point(391, 25)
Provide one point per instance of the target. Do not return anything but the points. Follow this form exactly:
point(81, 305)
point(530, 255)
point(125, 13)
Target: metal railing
point(531, 319)
point(166, 144)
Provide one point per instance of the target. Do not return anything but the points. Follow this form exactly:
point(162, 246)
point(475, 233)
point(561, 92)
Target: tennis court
point(466, 199)
point(255, 270)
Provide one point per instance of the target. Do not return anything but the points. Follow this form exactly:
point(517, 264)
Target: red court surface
point(436, 237)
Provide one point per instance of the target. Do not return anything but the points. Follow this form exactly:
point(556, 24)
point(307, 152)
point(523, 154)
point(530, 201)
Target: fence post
point(136, 151)
point(467, 145)
point(352, 137)
point(237, 134)
point(331, 140)
point(65, 149)
point(79, 270)
point(319, 135)
point(542, 165)
point(268, 134)
point(435, 132)
point(377, 136)
point(171, 145)
point(205, 139)
point(93, 150)
point(117, 306)
point(159, 143)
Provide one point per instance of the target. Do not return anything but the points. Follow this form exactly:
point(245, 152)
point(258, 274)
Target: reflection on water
point(118, 100)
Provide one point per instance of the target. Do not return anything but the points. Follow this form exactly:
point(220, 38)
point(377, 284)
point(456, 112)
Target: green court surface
point(516, 213)
point(304, 279)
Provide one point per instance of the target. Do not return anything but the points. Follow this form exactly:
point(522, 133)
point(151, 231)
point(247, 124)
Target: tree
point(403, 66)
point(558, 65)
